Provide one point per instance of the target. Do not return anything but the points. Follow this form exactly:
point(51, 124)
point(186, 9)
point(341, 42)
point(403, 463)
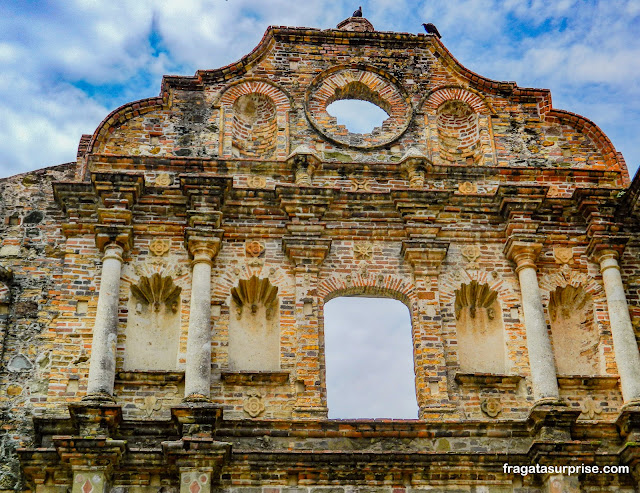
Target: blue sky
point(66, 64)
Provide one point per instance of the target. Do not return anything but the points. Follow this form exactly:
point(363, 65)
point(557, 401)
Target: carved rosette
point(253, 404)
point(491, 406)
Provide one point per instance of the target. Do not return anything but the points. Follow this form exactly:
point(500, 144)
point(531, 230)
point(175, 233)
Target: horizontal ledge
point(149, 377)
point(255, 377)
point(588, 381)
point(487, 379)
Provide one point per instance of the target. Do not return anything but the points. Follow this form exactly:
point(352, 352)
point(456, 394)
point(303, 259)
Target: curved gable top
point(478, 91)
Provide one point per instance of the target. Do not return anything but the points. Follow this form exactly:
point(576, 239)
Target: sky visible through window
point(369, 359)
point(360, 117)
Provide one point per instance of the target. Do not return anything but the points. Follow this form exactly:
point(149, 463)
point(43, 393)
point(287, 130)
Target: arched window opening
point(369, 359)
point(575, 340)
point(481, 343)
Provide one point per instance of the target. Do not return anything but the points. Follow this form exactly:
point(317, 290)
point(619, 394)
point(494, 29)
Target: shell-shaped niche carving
point(252, 292)
point(563, 301)
point(157, 290)
point(576, 342)
point(480, 333)
point(475, 295)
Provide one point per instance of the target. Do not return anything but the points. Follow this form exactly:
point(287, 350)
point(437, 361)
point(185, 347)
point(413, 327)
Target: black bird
point(431, 29)
point(358, 13)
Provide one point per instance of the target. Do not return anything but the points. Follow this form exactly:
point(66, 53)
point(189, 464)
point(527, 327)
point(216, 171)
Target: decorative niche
point(255, 126)
point(481, 342)
point(153, 325)
point(254, 326)
point(576, 342)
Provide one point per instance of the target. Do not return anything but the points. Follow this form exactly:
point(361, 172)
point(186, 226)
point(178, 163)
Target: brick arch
point(458, 127)
point(221, 289)
point(449, 284)
point(387, 286)
point(267, 91)
point(561, 278)
point(437, 97)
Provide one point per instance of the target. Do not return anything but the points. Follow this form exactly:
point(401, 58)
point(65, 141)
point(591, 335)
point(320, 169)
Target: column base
point(99, 397)
point(196, 398)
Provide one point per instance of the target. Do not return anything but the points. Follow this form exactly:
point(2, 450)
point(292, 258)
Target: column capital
point(602, 247)
point(425, 255)
point(203, 247)
point(306, 252)
point(523, 251)
point(109, 235)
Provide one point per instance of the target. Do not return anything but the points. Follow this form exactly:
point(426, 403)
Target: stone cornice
point(425, 255)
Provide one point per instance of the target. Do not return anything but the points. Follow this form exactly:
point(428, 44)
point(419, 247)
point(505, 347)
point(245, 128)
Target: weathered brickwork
point(162, 299)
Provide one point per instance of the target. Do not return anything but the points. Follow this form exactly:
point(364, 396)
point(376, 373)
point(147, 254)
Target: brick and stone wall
point(162, 299)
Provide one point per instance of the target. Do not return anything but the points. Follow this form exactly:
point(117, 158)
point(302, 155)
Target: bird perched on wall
point(358, 13)
point(431, 29)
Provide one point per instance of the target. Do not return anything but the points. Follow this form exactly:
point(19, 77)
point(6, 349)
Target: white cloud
point(369, 359)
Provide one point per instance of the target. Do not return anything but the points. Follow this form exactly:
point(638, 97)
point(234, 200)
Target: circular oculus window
point(358, 84)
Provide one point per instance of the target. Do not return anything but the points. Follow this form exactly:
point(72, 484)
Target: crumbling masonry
point(161, 299)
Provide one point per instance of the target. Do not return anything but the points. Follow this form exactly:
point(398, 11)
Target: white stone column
point(541, 362)
point(197, 384)
point(102, 368)
point(624, 339)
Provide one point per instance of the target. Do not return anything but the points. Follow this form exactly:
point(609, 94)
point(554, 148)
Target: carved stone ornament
point(156, 290)
point(475, 296)
point(159, 247)
point(251, 292)
point(563, 255)
point(470, 252)
point(255, 181)
point(254, 248)
point(253, 404)
point(590, 408)
point(491, 407)
point(360, 184)
point(567, 300)
point(363, 251)
point(467, 187)
point(163, 180)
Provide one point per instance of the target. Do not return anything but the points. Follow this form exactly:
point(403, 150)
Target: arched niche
point(458, 131)
point(254, 121)
point(459, 127)
point(255, 126)
point(153, 325)
point(254, 326)
point(576, 341)
point(479, 328)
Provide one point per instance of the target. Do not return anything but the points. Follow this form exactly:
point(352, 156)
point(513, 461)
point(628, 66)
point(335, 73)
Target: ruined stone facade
point(161, 300)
